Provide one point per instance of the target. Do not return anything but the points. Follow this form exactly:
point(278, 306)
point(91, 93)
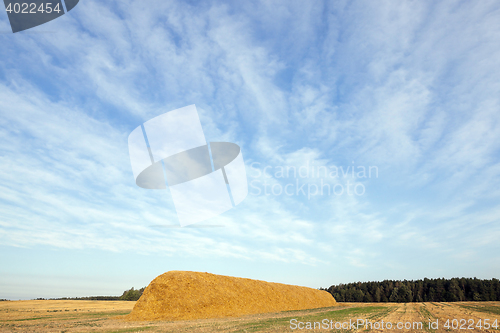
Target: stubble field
point(107, 316)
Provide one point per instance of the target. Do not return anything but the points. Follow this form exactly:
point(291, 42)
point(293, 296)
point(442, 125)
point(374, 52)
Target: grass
point(426, 313)
point(132, 329)
point(384, 311)
point(487, 308)
point(25, 319)
point(335, 315)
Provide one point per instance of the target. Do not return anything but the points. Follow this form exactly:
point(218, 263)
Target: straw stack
point(180, 295)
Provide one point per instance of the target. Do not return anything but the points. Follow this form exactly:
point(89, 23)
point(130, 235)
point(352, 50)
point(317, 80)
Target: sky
point(394, 106)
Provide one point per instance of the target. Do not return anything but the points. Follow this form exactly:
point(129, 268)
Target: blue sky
point(410, 87)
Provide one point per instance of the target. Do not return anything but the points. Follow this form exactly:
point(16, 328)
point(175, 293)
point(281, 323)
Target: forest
point(426, 290)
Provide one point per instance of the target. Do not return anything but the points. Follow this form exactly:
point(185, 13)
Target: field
point(106, 316)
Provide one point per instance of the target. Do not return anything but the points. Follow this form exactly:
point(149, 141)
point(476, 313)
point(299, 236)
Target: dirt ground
point(107, 316)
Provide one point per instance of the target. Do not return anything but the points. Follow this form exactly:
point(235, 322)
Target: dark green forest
point(426, 290)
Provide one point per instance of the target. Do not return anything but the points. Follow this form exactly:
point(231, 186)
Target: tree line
point(426, 290)
point(87, 298)
point(128, 295)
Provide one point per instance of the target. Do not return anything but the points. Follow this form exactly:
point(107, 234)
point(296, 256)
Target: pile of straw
point(180, 295)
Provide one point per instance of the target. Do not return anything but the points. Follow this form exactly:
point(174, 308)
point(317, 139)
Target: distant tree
point(131, 294)
point(404, 294)
point(394, 295)
point(378, 295)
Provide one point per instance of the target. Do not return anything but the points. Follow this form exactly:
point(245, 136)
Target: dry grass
point(180, 295)
point(59, 316)
point(102, 317)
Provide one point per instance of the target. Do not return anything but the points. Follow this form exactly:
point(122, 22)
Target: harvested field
point(180, 295)
point(104, 316)
point(58, 316)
